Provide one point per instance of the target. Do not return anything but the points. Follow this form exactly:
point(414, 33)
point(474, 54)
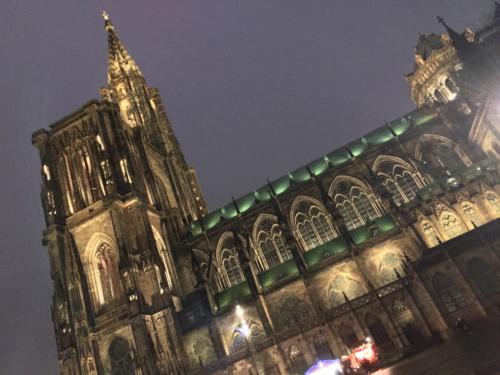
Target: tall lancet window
point(270, 242)
point(230, 271)
point(399, 178)
point(312, 222)
point(106, 275)
point(355, 201)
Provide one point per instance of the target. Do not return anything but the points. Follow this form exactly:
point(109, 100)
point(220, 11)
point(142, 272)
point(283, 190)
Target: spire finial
point(105, 15)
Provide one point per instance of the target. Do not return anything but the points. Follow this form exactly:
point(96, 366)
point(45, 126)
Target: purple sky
point(254, 89)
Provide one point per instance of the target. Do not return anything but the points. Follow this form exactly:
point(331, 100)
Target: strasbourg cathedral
point(392, 236)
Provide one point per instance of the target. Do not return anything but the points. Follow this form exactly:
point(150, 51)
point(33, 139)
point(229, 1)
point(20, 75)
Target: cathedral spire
point(119, 60)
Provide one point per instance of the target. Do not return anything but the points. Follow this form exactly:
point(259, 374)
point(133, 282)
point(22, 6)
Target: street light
point(245, 330)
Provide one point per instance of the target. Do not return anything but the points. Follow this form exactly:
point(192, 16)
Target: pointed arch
point(471, 213)
point(493, 201)
point(164, 255)
point(312, 222)
point(355, 201)
point(440, 151)
point(269, 242)
point(399, 177)
point(430, 233)
point(344, 283)
point(291, 312)
point(101, 267)
point(448, 293)
point(238, 339)
point(228, 264)
point(451, 224)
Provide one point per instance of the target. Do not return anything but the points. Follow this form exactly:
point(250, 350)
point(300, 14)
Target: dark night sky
point(254, 88)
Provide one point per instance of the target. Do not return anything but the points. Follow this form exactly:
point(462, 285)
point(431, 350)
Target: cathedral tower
point(117, 195)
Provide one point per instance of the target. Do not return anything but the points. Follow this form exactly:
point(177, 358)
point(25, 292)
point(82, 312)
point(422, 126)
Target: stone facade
point(393, 236)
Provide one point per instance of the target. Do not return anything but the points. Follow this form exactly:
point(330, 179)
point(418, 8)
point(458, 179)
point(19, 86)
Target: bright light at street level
point(245, 329)
point(327, 367)
point(239, 311)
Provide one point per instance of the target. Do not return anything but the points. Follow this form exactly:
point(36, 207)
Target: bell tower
point(117, 195)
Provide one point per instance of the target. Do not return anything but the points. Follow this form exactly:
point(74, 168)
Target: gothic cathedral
point(393, 236)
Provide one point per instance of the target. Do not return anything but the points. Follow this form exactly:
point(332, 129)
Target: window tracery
point(107, 274)
point(399, 178)
point(312, 222)
point(472, 214)
point(229, 269)
point(430, 233)
point(493, 201)
point(355, 202)
point(270, 242)
point(451, 224)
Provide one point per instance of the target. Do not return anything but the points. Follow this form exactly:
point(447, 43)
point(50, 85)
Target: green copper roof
point(270, 277)
point(380, 136)
point(339, 157)
point(229, 296)
point(334, 247)
point(362, 234)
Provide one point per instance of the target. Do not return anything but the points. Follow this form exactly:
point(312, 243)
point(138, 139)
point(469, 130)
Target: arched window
point(493, 201)
point(451, 224)
point(484, 276)
point(348, 336)
point(430, 233)
point(164, 255)
point(312, 222)
point(377, 329)
point(120, 357)
point(240, 341)
point(399, 177)
point(441, 152)
point(232, 268)
point(448, 292)
point(106, 275)
point(355, 202)
point(230, 272)
point(270, 242)
point(472, 214)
